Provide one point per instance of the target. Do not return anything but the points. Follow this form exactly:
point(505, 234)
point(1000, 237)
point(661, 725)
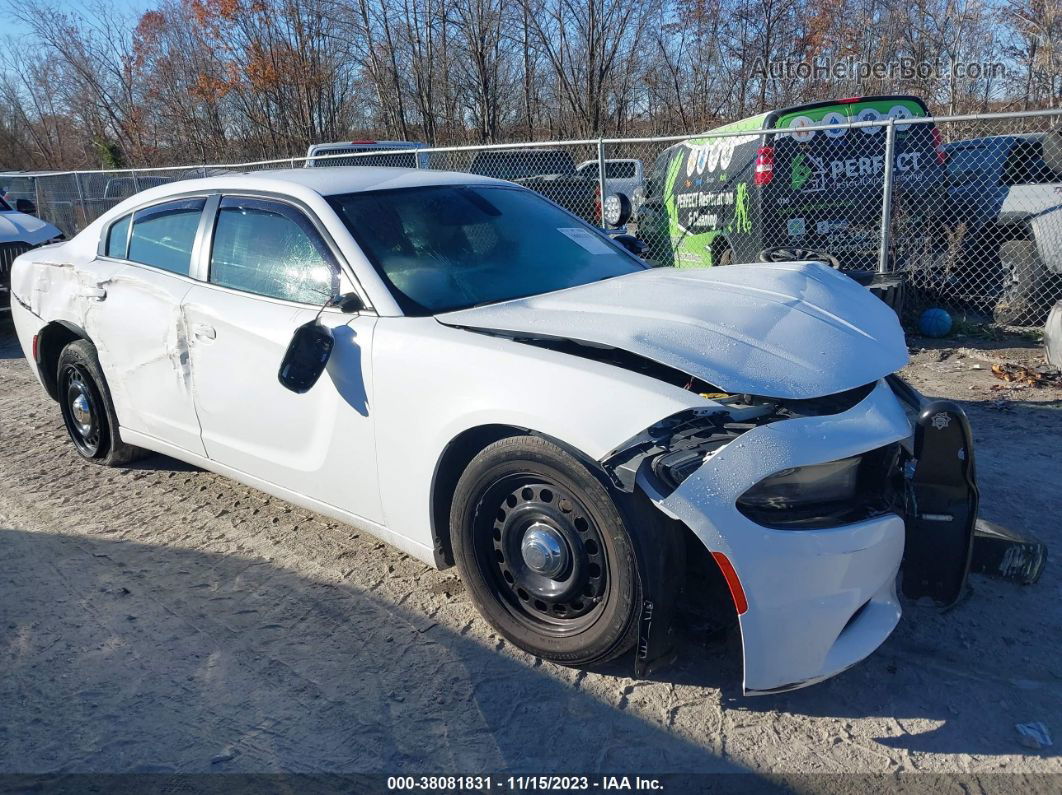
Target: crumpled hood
point(784, 330)
point(18, 227)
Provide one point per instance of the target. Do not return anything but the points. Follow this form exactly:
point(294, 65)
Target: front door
point(269, 273)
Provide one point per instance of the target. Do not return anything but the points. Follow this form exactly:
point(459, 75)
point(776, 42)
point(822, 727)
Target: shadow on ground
point(122, 656)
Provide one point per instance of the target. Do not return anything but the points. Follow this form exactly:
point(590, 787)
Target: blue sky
point(11, 26)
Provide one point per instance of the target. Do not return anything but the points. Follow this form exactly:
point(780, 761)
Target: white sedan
point(471, 373)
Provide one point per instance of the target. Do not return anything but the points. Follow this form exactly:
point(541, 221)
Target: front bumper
point(819, 601)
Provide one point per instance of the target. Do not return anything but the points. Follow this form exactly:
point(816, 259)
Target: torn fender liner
point(942, 504)
point(785, 330)
point(660, 552)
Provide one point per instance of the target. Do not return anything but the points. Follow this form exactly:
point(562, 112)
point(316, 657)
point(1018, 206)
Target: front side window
point(163, 235)
point(271, 249)
point(447, 247)
point(118, 238)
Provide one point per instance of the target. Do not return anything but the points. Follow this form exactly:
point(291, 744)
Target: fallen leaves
point(1026, 375)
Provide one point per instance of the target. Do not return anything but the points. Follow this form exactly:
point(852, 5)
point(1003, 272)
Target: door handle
point(203, 332)
point(95, 293)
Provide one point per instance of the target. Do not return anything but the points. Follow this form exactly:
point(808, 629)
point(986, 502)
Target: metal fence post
point(601, 178)
point(78, 226)
point(136, 182)
point(886, 197)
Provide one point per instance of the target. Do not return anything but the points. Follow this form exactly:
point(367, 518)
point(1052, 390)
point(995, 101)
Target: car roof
point(326, 181)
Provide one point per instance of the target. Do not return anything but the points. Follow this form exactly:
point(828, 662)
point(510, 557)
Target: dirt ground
point(164, 619)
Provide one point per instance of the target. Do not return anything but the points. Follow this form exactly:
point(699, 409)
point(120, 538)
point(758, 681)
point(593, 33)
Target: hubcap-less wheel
point(82, 413)
point(542, 552)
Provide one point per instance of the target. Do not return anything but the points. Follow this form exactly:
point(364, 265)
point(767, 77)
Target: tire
point(787, 254)
point(521, 495)
point(726, 256)
point(1023, 280)
point(88, 412)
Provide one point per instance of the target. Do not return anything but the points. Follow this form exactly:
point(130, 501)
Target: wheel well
point(719, 245)
point(50, 343)
point(455, 458)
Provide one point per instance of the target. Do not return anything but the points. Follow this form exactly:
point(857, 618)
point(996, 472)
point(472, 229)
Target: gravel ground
point(164, 619)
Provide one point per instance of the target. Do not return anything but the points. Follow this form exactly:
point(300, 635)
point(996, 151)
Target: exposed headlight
point(825, 495)
point(801, 486)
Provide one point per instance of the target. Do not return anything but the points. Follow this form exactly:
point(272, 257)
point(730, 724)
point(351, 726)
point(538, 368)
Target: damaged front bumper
point(818, 600)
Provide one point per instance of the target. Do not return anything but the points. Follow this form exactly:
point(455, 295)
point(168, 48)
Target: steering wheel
point(785, 254)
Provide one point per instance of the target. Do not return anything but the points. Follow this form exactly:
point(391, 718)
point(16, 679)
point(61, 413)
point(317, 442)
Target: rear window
point(163, 235)
point(118, 238)
point(970, 162)
point(623, 170)
point(1025, 166)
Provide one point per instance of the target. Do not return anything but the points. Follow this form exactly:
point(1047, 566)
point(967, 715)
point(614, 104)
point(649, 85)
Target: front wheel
point(545, 553)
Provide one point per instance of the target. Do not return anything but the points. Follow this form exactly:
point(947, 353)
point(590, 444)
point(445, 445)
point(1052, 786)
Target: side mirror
point(631, 243)
point(616, 209)
point(349, 303)
point(25, 206)
point(307, 355)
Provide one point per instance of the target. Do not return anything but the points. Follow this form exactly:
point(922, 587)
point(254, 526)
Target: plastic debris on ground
point(1034, 735)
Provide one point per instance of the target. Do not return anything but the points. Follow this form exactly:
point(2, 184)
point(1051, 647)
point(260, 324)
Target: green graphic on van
point(742, 219)
point(800, 172)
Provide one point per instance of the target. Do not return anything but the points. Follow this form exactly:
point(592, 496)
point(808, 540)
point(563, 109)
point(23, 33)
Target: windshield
point(450, 247)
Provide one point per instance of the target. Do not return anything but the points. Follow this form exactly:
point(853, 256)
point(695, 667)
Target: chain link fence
point(961, 212)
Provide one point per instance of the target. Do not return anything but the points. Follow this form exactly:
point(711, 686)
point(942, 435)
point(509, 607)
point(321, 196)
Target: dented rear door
point(143, 344)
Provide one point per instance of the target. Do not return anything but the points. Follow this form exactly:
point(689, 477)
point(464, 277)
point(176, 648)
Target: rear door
point(139, 329)
point(270, 270)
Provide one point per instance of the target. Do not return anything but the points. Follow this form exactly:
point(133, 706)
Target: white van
point(394, 159)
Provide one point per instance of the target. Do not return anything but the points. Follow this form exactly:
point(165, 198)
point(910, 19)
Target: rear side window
point(1026, 166)
point(271, 249)
point(163, 235)
point(621, 170)
point(118, 238)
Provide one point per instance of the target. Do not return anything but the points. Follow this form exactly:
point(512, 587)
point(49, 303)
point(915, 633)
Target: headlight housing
point(826, 495)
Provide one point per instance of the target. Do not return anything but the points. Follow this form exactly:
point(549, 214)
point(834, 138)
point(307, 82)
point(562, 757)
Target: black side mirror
point(631, 243)
point(307, 356)
point(25, 206)
point(349, 303)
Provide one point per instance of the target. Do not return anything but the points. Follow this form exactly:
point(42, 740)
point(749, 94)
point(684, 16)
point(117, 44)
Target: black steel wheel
point(87, 409)
point(545, 553)
point(81, 409)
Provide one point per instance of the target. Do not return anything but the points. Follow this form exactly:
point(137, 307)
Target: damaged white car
point(473, 374)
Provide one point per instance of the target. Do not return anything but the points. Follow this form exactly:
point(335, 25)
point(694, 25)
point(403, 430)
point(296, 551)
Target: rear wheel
point(723, 254)
point(88, 412)
point(545, 553)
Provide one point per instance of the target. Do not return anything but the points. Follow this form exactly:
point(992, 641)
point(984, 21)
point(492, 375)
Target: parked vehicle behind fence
point(622, 175)
point(1004, 215)
point(550, 172)
point(392, 159)
point(766, 184)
